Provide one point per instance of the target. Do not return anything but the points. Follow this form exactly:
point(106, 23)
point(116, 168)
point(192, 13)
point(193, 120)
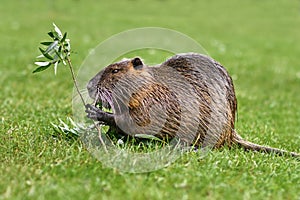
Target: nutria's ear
point(137, 63)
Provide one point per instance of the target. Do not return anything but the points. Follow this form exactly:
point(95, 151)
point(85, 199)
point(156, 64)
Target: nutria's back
point(190, 97)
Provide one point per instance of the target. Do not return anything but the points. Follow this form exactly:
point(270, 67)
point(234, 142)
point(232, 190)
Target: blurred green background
point(258, 43)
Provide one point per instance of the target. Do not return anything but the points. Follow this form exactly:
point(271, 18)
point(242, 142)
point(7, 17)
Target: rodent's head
point(101, 85)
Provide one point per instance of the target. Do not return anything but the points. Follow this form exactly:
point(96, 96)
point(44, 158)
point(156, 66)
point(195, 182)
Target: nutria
point(190, 97)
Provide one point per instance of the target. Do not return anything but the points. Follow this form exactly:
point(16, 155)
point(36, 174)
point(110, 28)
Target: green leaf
point(145, 136)
point(40, 56)
point(42, 50)
point(46, 43)
point(51, 46)
point(64, 38)
point(42, 63)
point(48, 56)
point(56, 36)
point(55, 67)
point(51, 34)
point(45, 54)
point(59, 55)
point(41, 68)
point(58, 32)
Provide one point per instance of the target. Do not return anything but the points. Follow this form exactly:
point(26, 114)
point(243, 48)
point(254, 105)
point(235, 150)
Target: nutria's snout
point(102, 98)
point(92, 89)
point(92, 85)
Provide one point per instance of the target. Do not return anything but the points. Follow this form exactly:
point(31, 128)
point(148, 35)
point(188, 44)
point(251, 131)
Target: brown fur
point(193, 78)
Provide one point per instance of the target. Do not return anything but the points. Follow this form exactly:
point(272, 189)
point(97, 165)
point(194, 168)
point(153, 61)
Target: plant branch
point(59, 50)
point(74, 80)
point(82, 99)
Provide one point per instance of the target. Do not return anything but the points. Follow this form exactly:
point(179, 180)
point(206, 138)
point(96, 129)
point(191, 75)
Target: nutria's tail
point(255, 147)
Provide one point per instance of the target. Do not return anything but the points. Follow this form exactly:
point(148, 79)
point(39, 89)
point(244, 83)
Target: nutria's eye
point(114, 71)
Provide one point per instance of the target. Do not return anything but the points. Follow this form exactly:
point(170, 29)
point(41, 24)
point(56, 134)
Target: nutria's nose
point(93, 83)
point(92, 89)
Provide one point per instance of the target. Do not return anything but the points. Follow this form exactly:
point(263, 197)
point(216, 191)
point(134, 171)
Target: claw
point(97, 114)
point(90, 107)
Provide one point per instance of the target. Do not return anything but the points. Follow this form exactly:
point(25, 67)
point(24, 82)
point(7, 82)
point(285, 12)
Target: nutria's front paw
point(97, 114)
point(93, 112)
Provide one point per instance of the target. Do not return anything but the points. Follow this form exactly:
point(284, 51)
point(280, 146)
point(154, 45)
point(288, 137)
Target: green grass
point(257, 41)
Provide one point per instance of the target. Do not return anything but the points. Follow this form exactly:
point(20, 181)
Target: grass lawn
point(257, 41)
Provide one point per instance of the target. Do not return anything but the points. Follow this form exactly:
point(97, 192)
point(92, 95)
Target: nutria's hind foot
point(97, 114)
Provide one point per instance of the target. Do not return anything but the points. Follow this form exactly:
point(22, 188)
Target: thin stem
point(74, 79)
point(81, 97)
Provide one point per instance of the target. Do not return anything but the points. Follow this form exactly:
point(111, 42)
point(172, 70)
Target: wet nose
point(93, 84)
point(92, 89)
